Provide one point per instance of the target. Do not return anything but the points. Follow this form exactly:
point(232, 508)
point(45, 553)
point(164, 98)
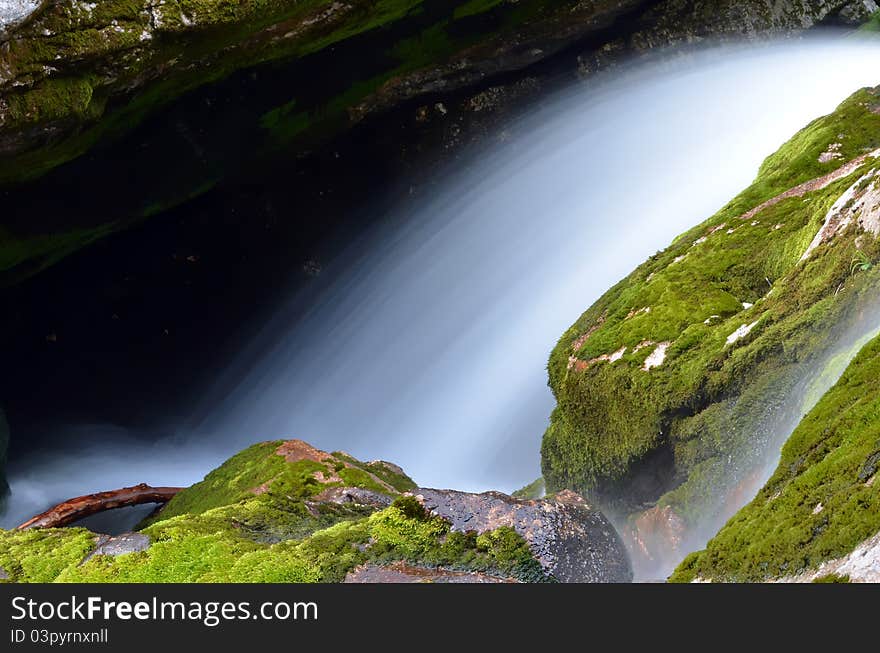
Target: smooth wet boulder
point(676, 388)
point(573, 541)
point(284, 511)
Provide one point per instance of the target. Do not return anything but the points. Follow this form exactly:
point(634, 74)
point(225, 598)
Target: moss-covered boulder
point(822, 502)
point(573, 541)
point(676, 385)
point(284, 511)
point(75, 72)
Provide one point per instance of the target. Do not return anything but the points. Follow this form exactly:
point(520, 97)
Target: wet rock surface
point(572, 540)
point(14, 11)
point(120, 544)
point(654, 539)
point(353, 495)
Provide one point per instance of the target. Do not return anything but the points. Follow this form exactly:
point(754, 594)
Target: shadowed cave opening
point(648, 479)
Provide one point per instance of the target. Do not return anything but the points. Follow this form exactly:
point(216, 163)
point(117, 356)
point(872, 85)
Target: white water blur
point(427, 342)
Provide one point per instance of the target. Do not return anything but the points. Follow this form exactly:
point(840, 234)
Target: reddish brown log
point(74, 509)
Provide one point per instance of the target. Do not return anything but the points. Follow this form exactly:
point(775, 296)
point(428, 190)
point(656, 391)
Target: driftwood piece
point(75, 509)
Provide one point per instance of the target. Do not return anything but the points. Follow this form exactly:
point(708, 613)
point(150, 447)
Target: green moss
point(852, 125)
point(832, 370)
point(428, 541)
point(38, 556)
point(410, 507)
point(474, 7)
point(220, 530)
point(821, 501)
point(325, 557)
point(53, 99)
point(213, 547)
point(396, 479)
point(359, 478)
point(873, 25)
point(403, 533)
point(286, 121)
point(712, 401)
point(534, 490)
point(390, 474)
point(832, 578)
point(199, 42)
point(20, 257)
point(431, 45)
point(240, 476)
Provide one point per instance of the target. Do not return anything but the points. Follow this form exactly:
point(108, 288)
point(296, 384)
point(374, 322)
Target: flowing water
point(426, 343)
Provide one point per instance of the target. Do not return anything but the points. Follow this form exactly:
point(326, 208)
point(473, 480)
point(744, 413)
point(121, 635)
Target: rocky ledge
point(284, 511)
point(66, 65)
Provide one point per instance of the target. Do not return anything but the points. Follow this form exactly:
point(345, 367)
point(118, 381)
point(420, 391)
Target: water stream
point(426, 343)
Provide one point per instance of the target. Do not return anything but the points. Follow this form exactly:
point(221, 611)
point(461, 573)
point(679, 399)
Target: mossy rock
point(534, 490)
point(672, 388)
point(213, 547)
point(823, 499)
point(873, 24)
point(77, 74)
point(272, 514)
point(282, 470)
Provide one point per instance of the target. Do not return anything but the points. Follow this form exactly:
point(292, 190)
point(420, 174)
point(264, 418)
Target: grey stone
point(119, 544)
point(14, 11)
point(572, 540)
point(353, 495)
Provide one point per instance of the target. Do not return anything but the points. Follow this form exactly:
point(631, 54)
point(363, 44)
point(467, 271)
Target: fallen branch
point(75, 509)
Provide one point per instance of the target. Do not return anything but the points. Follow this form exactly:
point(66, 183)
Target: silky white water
point(426, 343)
